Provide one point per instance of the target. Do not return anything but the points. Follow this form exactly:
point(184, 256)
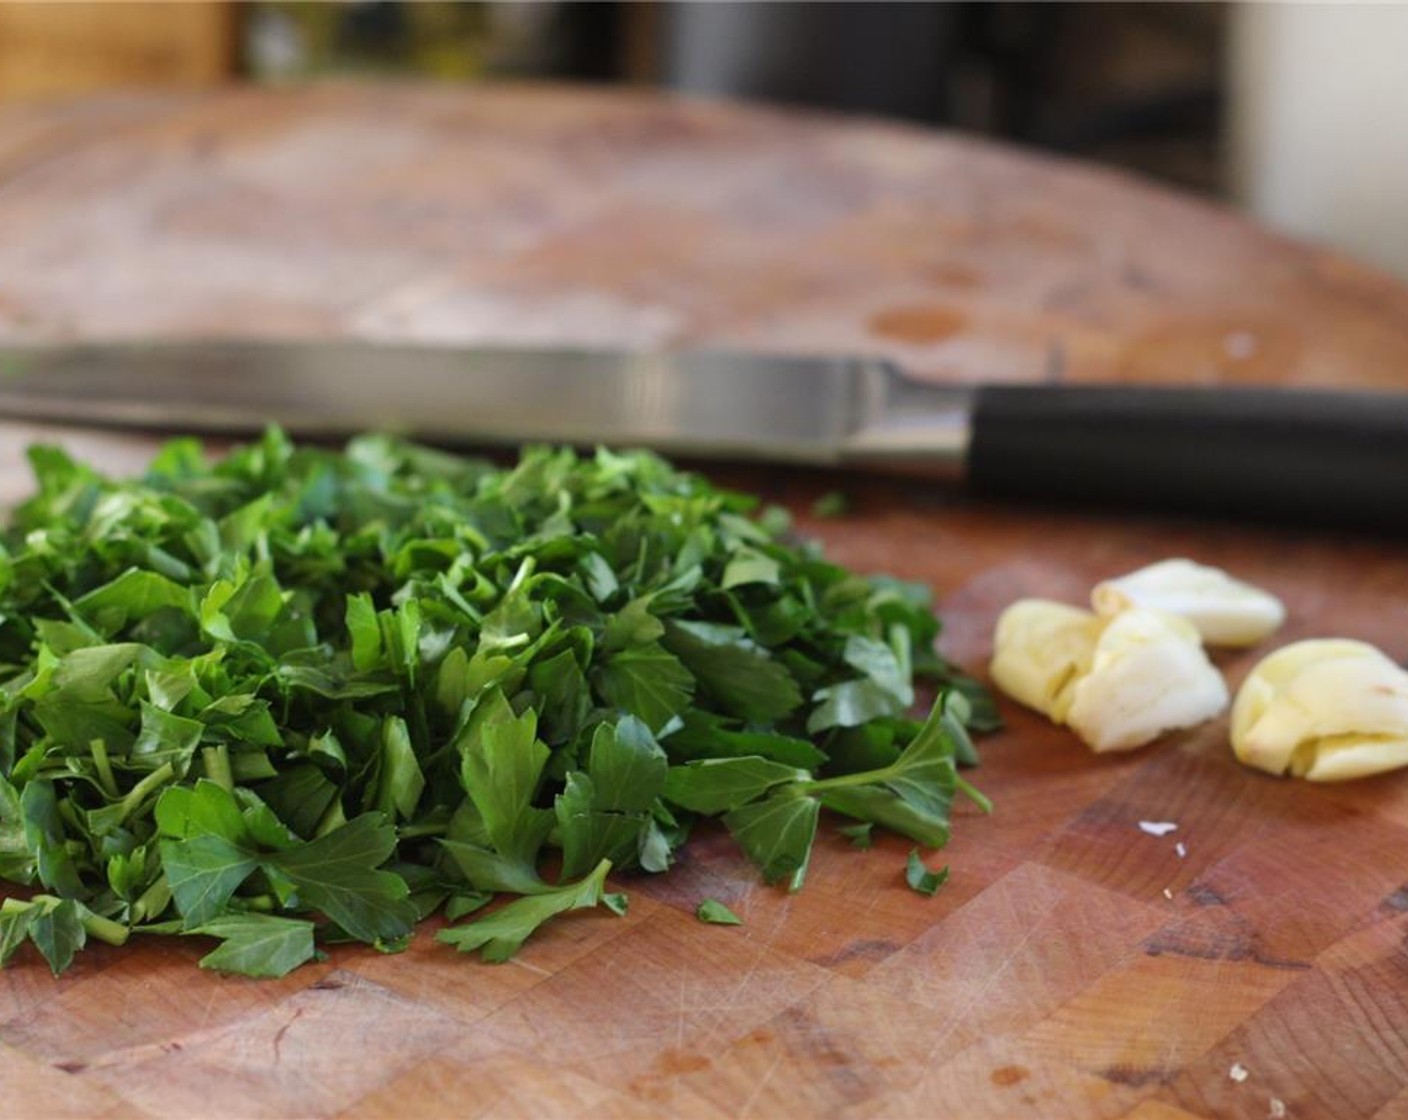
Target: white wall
point(1319, 123)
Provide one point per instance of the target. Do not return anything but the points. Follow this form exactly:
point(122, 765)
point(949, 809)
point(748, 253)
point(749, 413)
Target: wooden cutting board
point(1073, 965)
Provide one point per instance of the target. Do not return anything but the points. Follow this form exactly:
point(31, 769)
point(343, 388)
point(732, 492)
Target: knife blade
point(1300, 456)
point(701, 403)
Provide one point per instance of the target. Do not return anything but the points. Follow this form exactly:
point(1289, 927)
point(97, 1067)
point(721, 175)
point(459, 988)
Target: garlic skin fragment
point(1226, 611)
point(1324, 709)
point(1148, 675)
point(1040, 649)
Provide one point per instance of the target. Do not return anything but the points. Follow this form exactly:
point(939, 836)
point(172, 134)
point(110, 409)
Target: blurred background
point(1299, 112)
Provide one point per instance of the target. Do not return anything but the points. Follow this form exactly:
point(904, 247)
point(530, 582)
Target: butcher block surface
point(1073, 965)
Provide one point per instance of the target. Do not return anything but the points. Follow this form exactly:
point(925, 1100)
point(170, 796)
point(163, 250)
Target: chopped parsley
point(301, 696)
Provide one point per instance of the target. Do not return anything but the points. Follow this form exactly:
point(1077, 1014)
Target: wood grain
point(535, 214)
point(1052, 976)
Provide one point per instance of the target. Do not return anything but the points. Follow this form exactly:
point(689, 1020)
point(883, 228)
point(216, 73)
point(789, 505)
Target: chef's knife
point(1297, 456)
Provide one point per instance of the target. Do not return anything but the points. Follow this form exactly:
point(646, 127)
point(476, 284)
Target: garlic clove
point(1325, 710)
point(1226, 611)
point(1040, 649)
point(1148, 675)
point(1355, 757)
point(1273, 676)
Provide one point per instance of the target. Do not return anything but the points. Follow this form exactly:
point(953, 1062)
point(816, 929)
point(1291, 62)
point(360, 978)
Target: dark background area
point(1136, 85)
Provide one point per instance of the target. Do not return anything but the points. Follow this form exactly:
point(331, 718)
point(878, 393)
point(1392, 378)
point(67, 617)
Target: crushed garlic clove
point(1148, 675)
point(1324, 709)
point(1119, 683)
point(1226, 611)
point(1040, 649)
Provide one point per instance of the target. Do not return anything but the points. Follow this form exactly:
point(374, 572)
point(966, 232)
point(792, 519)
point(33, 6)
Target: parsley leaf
point(777, 835)
point(602, 813)
point(56, 928)
point(258, 944)
point(203, 873)
point(714, 912)
point(742, 678)
point(920, 878)
point(859, 834)
point(499, 935)
point(337, 875)
point(214, 852)
point(627, 766)
point(716, 785)
point(833, 503)
point(502, 763)
point(646, 681)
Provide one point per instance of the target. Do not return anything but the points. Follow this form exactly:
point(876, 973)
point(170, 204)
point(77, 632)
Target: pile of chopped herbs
point(304, 696)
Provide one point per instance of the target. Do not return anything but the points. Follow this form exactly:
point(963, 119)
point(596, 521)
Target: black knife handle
point(1296, 457)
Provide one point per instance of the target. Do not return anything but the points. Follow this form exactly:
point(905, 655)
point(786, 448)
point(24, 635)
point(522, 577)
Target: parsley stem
point(899, 642)
point(980, 799)
point(138, 793)
point(525, 569)
point(840, 781)
point(105, 929)
point(152, 902)
point(217, 766)
point(103, 767)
